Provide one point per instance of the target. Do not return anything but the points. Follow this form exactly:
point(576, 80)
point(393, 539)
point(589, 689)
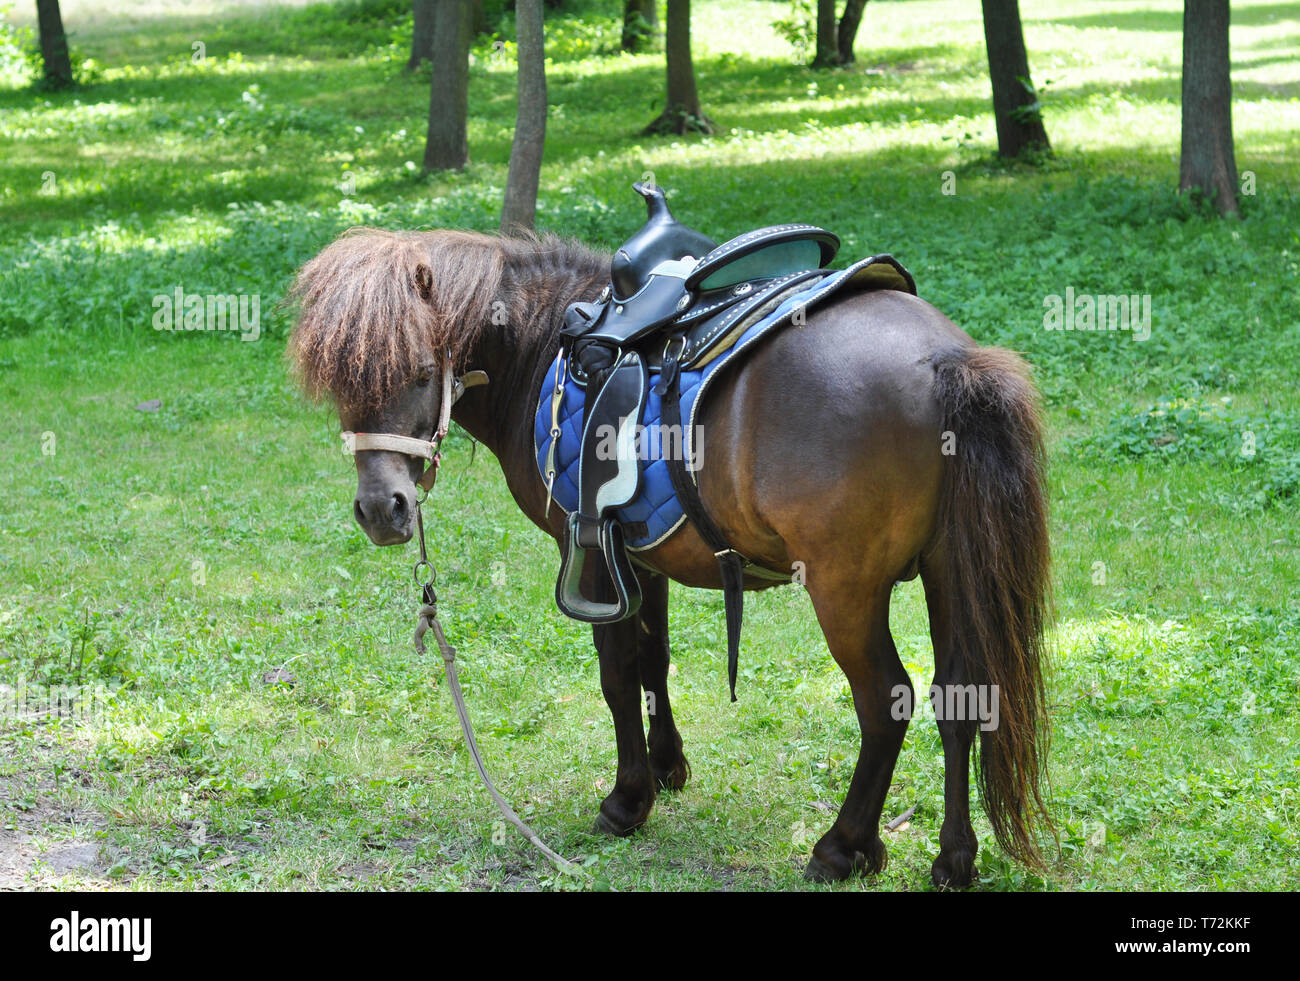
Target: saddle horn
point(660, 239)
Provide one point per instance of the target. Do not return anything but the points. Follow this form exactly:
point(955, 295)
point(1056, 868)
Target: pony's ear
point(422, 280)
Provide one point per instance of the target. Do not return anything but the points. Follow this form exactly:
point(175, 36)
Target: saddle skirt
point(656, 512)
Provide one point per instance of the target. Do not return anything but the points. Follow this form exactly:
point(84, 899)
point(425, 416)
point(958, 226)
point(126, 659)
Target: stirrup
point(568, 588)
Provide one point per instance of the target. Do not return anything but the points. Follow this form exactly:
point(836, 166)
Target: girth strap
point(731, 563)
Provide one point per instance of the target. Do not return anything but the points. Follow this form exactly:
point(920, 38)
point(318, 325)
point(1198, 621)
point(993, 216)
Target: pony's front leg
point(667, 761)
point(628, 805)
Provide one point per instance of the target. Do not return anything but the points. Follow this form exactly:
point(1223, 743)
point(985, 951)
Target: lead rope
point(428, 620)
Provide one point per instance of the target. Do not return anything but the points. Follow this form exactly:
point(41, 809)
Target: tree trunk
point(640, 24)
point(682, 112)
point(447, 147)
point(827, 53)
point(1208, 161)
point(1015, 104)
point(422, 39)
point(54, 44)
point(848, 32)
point(520, 208)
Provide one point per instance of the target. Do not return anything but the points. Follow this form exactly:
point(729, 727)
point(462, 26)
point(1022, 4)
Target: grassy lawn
point(177, 556)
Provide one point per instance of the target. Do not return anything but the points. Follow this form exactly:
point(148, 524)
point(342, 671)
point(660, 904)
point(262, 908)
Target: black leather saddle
point(668, 278)
point(675, 299)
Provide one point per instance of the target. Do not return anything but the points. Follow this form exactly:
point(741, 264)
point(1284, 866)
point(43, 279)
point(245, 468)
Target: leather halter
point(424, 449)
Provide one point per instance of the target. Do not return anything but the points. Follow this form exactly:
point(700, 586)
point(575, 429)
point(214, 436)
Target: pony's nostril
point(400, 506)
point(358, 511)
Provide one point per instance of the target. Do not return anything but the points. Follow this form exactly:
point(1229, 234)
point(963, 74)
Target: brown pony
point(873, 444)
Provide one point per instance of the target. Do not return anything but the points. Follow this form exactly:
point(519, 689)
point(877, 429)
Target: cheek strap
point(423, 449)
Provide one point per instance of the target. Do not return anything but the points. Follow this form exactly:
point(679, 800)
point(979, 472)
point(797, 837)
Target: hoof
point(604, 826)
point(819, 871)
point(831, 863)
point(953, 870)
point(607, 824)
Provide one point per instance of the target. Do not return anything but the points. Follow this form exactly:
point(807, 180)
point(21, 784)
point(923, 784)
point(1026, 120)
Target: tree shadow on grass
point(326, 30)
point(162, 149)
point(153, 157)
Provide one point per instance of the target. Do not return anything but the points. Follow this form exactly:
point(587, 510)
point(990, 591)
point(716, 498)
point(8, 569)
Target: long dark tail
point(994, 527)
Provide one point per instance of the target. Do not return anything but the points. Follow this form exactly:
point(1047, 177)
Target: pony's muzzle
point(385, 516)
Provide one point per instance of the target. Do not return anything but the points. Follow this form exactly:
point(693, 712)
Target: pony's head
point(385, 319)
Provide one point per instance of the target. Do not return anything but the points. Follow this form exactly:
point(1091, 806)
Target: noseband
point(424, 449)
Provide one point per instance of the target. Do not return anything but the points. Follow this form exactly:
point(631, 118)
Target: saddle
point(676, 300)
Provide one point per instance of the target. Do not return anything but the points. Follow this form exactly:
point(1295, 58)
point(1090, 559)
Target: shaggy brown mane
point(375, 305)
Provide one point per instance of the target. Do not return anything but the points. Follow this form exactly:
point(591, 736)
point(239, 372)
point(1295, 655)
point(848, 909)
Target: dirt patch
point(29, 860)
point(44, 843)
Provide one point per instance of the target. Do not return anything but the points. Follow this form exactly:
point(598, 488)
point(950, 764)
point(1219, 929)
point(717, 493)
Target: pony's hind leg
point(954, 867)
point(667, 762)
point(856, 624)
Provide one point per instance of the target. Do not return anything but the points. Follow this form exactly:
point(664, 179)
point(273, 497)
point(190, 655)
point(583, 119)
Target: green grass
point(175, 557)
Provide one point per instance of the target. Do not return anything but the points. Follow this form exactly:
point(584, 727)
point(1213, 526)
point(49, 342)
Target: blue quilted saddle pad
point(656, 504)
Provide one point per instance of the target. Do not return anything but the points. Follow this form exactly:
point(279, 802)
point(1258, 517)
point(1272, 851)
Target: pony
point(875, 443)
